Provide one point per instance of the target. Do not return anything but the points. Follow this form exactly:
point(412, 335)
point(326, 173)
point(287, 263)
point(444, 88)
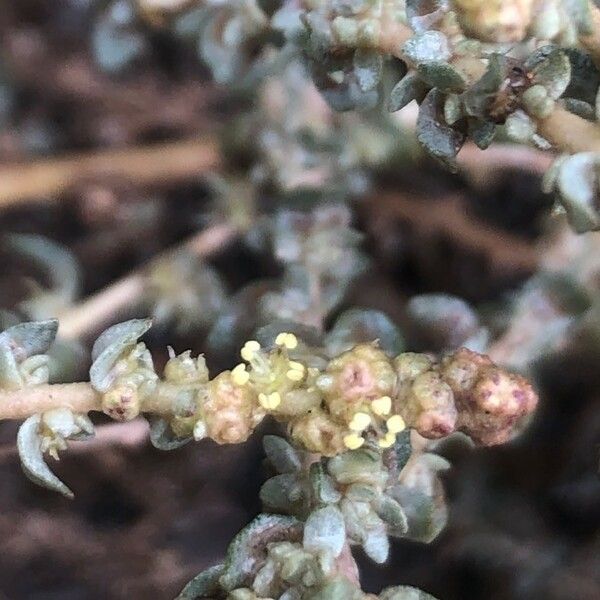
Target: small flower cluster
point(329, 406)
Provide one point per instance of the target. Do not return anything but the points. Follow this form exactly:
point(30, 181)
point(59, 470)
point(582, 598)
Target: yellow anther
point(239, 375)
point(396, 424)
point(388, 440)
point(382, 406)
point(360, 421)
point(250, 349)
point(352, 441)
point(296, 366)
point(270, 401)
point(289, 340)
point(294, 375)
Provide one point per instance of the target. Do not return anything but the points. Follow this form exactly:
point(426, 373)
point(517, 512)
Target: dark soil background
point(524, 519)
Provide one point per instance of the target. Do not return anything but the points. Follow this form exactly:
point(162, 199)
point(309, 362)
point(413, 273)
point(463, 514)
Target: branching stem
point(569, 132)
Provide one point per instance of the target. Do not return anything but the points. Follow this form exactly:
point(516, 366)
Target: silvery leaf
point(368, 67)
point(404, 592)
point(203, 585)
point(32, 459)
point(481, 132)
point(282, 455)
point(410, 87)
point(282, 494)
point(402, 449)
point(377, 545)
point(427, 46)
point(323, 486)
point(162, 436)
point(439, 139)
point(357, 466)
point(442, 75)
point(27, 339)
point(359, 325)
point(110, 346)
point(246, 553)
point(392, 513)
point(426, 518)
point(550, 67)
point(324, 531)
point(127, 332)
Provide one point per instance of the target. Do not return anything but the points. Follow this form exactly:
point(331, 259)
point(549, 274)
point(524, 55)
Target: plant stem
point(80, 397)
point(158, 163)
point(569, 132)
point(100, 308)
point(20, 404)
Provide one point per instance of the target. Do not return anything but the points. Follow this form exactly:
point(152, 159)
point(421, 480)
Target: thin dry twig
point(155, 164)
point(93, 312)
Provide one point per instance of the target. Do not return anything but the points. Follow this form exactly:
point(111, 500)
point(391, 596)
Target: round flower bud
point(231, 411)
point(429, 406)
point(498, 400)
point(356, 378)
point(318, 433)
point(461, 369)
point(121, 403)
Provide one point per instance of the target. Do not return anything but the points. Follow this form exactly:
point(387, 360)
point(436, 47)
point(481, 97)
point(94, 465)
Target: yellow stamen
point(387, 441)
point(382, 406)
point(293, 375)
point(396, 424)
point(360, 421)
point(250, 349)
point(289, 340)
point(352, 441)
point(239, 375)
point(271, 401)
point(296, 366)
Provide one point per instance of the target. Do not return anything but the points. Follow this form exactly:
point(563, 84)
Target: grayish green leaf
point(162, 436)
point(247, 552)
point(410, 87)
point(110, 346)
point(282, 494)
point(32, 459)
point(322, 485)
point(359, 325)
point(324, 531)
point(404, 592)
point(203, 585)
point(427, 46)
point(368, 67)
point(439, 139)
point(392, 513)
point(282, 455)
point(442, 75)
point(549, 66)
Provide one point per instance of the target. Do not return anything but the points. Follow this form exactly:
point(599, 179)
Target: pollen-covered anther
point(287, 340)
point(239, 375)
point(387, 441)
point(249, 350)
point(396, 424)
point(269, 401)
point(360, 422)
point(382, 406)
point(296, 371)
point(352, 441)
